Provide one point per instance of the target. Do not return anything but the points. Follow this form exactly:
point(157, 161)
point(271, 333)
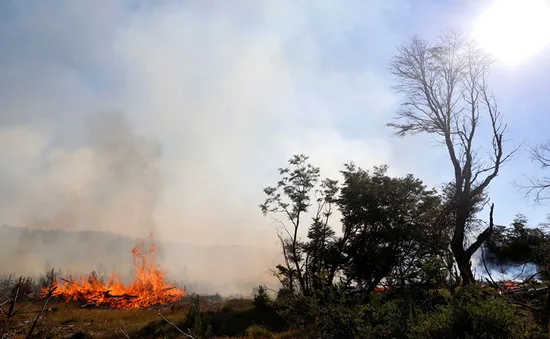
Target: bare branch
point(538, 188)
point(446, 91)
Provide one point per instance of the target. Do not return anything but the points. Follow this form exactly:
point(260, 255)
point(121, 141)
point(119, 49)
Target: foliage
point(393, 230)
point(391, 226)
point(262, 300)
point(324, 316)
point(519, 244)
point(292, 198)
point(196, 323)
point(469, 315)
point(396, 233)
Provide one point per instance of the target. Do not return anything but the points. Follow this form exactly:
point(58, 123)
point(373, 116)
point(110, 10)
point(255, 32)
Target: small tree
point(292, 198)
point(321, 236)
point(262, 300)
point(446, 94)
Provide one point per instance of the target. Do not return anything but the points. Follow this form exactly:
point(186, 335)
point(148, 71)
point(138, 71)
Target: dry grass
point(71, 321)
point(64, 321)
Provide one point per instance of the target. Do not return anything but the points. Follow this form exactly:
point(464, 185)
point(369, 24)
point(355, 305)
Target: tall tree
point(446, 94)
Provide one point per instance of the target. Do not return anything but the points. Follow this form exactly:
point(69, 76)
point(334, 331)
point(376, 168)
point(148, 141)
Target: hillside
point(202, 269)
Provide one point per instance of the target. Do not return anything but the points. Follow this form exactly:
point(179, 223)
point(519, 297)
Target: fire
point(510, 285)
point(148, 288)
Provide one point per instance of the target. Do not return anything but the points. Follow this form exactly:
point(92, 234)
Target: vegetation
point(397, 262)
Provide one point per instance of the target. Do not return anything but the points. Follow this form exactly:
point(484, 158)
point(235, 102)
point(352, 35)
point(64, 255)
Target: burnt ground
point(230, 318)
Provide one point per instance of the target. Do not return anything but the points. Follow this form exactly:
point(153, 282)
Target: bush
point(325, 316)
point(469, 315)
point(389, 319)
point(196, 322)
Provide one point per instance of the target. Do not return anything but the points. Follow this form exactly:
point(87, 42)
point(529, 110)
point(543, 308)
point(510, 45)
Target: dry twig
point(123, 330)
point(177, 328)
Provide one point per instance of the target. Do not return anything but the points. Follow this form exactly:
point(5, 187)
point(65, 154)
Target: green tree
point(292, 198)
point(446, 94)
point(391, 225)
point(519, 244)
point(321, 239)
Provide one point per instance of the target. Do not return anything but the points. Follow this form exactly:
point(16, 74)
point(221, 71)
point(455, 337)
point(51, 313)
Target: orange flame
point(510, 285)
point(148, 288)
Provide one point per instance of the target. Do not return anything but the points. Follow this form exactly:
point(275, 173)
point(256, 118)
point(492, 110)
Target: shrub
point(469, 315)
point(389, 319)
point(196, 322)
point(328, 316)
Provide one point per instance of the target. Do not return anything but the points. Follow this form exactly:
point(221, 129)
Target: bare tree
point(446, 94)
point(539, 188)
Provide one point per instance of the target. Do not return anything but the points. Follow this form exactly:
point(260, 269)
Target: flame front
point(149, 287)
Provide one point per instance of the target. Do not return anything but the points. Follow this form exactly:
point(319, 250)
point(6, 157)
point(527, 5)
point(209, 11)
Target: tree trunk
point(463, 256)
point(464, 264)
point(457, 242)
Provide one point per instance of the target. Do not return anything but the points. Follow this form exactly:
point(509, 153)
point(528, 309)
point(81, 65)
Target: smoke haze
point(171, 116)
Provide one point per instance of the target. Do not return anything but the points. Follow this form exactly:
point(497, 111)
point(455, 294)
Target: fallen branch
point(108, 294)
point(532, 277)
point(123, 331)
point(530, 307)
point(177, 328)
point(529, 292)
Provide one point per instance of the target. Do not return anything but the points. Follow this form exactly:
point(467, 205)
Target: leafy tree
point(446, 94)
point(292, 198)
point(391, 226)
point(320, 256)
point(519, 245)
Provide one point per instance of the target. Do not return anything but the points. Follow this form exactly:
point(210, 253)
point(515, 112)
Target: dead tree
point(446, 94)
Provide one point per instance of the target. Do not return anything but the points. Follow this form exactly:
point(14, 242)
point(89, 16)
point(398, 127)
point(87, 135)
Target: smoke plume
point(170, 117)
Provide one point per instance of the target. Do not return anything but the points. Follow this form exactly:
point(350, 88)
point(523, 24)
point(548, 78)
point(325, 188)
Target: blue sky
point(225, 91)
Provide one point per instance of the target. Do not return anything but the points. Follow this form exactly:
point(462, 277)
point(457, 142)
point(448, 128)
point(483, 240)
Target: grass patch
point(226, 318)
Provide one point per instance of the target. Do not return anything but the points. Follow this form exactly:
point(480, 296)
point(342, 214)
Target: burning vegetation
point(149, 287)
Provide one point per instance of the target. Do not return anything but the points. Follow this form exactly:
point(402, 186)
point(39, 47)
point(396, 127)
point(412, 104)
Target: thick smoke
point(109, 183)
point(230, 91)
point(106, 181)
